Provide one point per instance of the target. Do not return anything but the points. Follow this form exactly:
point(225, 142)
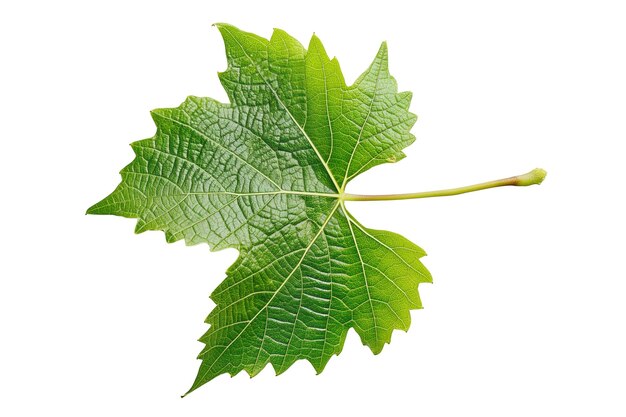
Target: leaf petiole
point(535, 176)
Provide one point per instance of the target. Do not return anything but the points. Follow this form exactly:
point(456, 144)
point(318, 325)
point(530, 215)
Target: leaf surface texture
point(264, 174)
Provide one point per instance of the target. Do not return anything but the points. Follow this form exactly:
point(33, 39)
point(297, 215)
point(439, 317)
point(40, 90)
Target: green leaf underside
point(263, 174)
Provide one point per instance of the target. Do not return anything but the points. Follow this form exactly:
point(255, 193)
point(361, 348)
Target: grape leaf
point(266, 174)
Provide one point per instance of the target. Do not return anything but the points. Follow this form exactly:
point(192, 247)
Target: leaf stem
point(535, 176)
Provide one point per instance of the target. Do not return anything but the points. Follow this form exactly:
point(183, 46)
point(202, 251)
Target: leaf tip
point(224, 28)
point(319, 368)
point(383, 56)
point(280, 32)
point(189, 391)
point(377, 349)
point(96, 208)
point(383, 50)
point(154, 113)
point(315, 45)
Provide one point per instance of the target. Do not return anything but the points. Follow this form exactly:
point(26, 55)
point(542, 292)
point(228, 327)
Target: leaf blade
point(264, 174)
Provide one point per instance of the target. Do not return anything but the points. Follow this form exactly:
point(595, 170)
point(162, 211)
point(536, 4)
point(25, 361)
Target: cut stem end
point(536, 176)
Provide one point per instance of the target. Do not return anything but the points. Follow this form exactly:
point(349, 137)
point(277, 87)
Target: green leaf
point(266, 174)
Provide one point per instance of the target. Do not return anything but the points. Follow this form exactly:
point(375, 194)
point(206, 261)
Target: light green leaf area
point(265, 174)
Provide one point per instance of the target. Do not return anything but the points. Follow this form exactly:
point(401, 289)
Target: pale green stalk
point(535, 176)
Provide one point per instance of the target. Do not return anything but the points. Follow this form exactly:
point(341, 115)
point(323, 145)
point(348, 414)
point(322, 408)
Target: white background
point(527, 313)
